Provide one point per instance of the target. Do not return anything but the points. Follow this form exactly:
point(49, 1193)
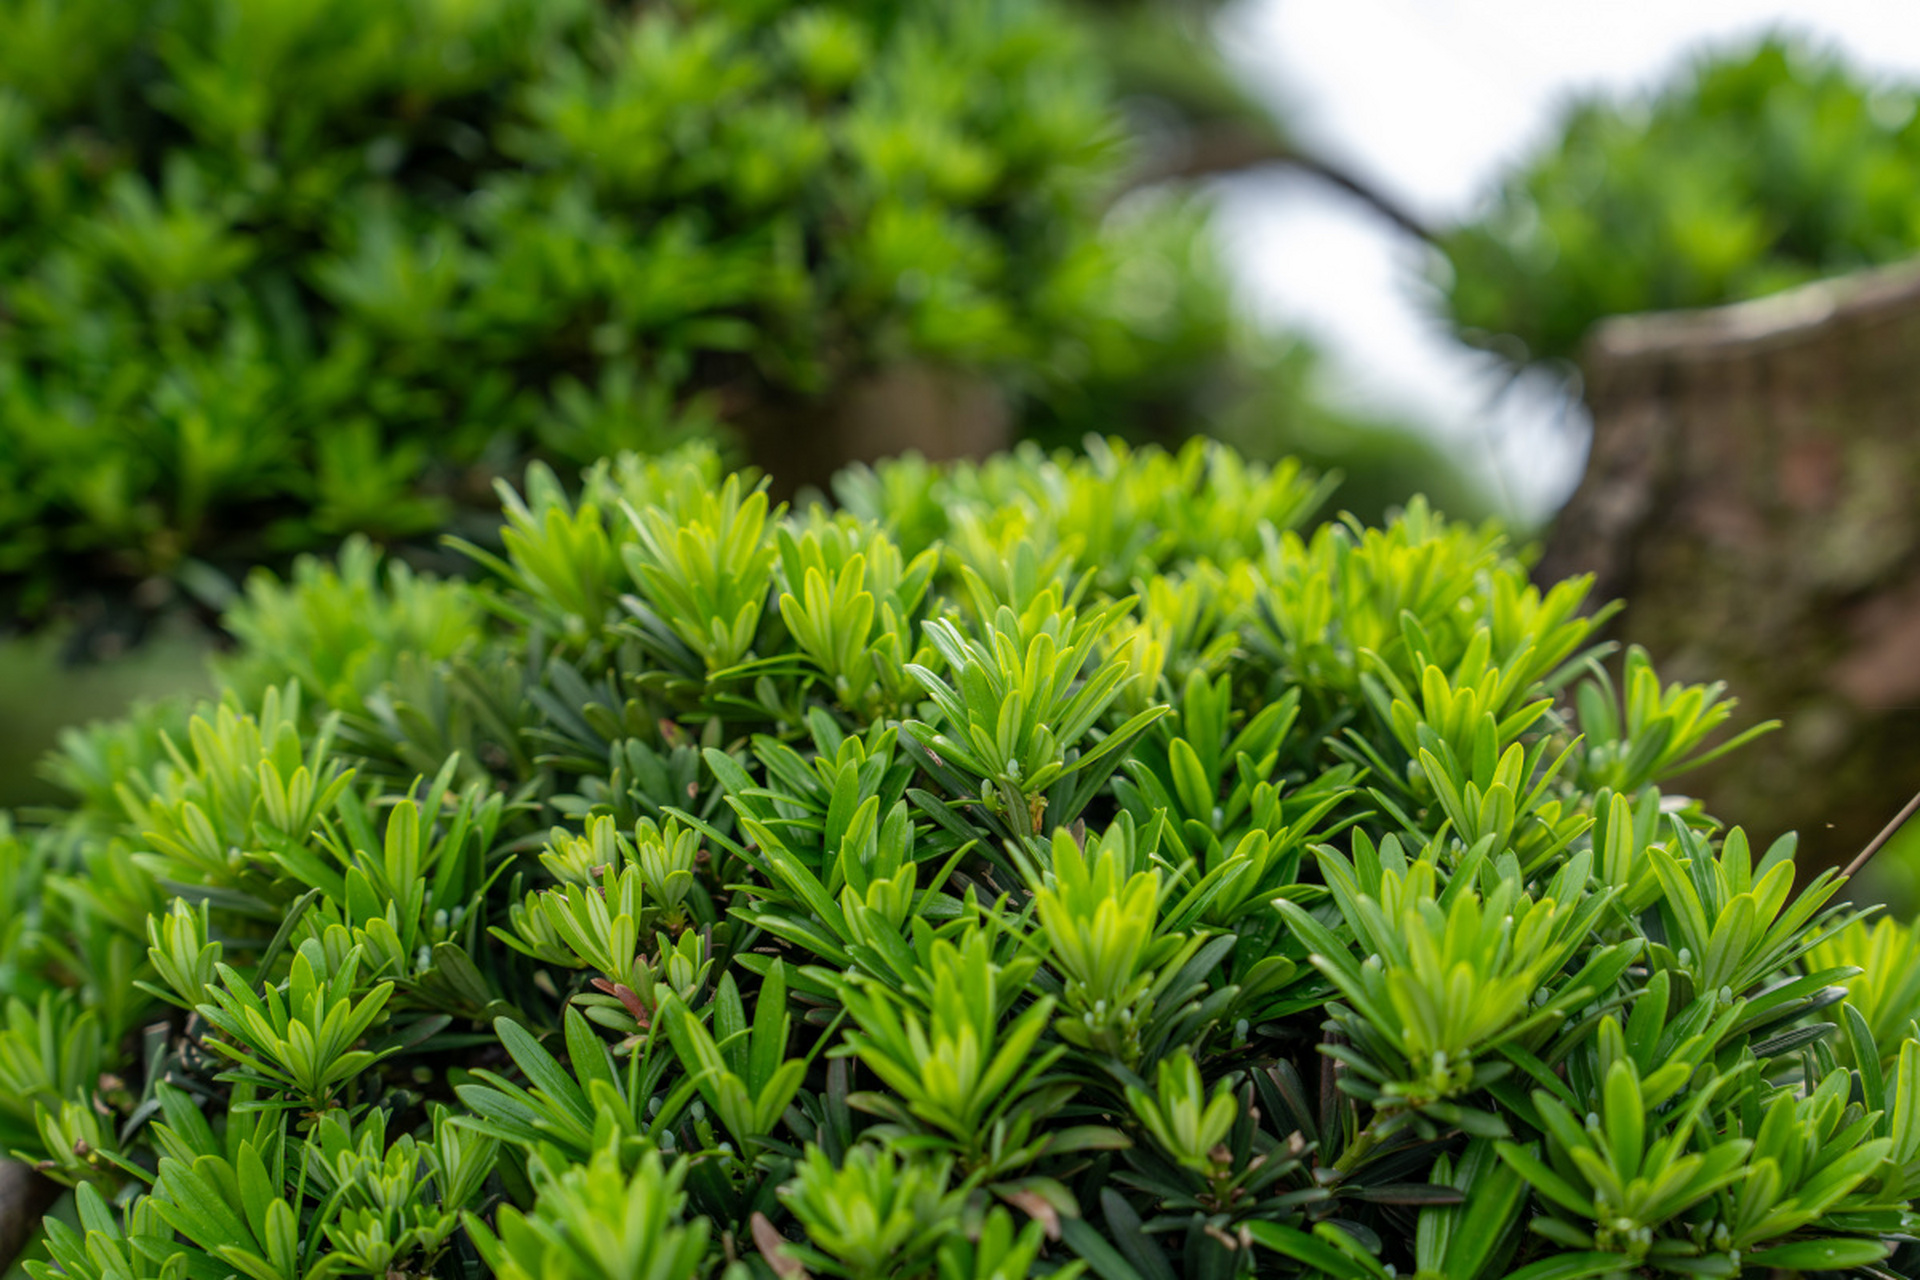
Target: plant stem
point(1359, 1149)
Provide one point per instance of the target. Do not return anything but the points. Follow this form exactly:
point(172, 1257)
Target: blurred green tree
point(1756, 169)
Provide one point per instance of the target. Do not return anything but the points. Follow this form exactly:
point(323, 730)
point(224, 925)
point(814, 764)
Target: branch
point(1886, 833)
point(1220, 148)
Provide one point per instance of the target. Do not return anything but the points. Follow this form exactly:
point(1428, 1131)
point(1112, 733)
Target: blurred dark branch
point(1225, 146)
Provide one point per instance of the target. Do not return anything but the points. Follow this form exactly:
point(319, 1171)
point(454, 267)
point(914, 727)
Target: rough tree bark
point(1753, 492)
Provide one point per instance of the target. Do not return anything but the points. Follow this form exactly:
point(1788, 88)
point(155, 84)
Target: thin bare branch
point(1886, 833)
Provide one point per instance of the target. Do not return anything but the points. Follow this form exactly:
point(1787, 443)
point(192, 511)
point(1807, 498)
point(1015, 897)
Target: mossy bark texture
point(1753, 492)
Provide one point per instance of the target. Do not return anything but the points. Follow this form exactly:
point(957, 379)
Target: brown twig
point(1886, 833)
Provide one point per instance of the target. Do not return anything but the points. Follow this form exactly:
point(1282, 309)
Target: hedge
point(1052, 866)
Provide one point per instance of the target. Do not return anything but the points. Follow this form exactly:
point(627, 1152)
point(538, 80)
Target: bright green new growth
point(1046, 867)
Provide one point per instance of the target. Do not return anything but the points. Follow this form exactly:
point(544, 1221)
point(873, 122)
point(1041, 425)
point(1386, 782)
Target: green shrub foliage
point(1755, 170)
point(276, 271)
point(1072, 867)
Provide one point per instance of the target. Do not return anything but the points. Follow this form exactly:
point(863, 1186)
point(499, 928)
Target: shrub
point(1755, 170)
point(1042, 867)
point(274, 272)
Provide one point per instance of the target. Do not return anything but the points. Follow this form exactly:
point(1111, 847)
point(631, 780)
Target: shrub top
point(1040, 867)
point(1755, 170)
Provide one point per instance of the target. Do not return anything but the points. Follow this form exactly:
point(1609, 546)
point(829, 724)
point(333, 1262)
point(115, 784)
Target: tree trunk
point(25, 1197)
point(940, 413)
point(1753, 493)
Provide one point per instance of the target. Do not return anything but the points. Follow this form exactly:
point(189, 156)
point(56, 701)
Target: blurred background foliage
point(1755, 169)
point(276, 271)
